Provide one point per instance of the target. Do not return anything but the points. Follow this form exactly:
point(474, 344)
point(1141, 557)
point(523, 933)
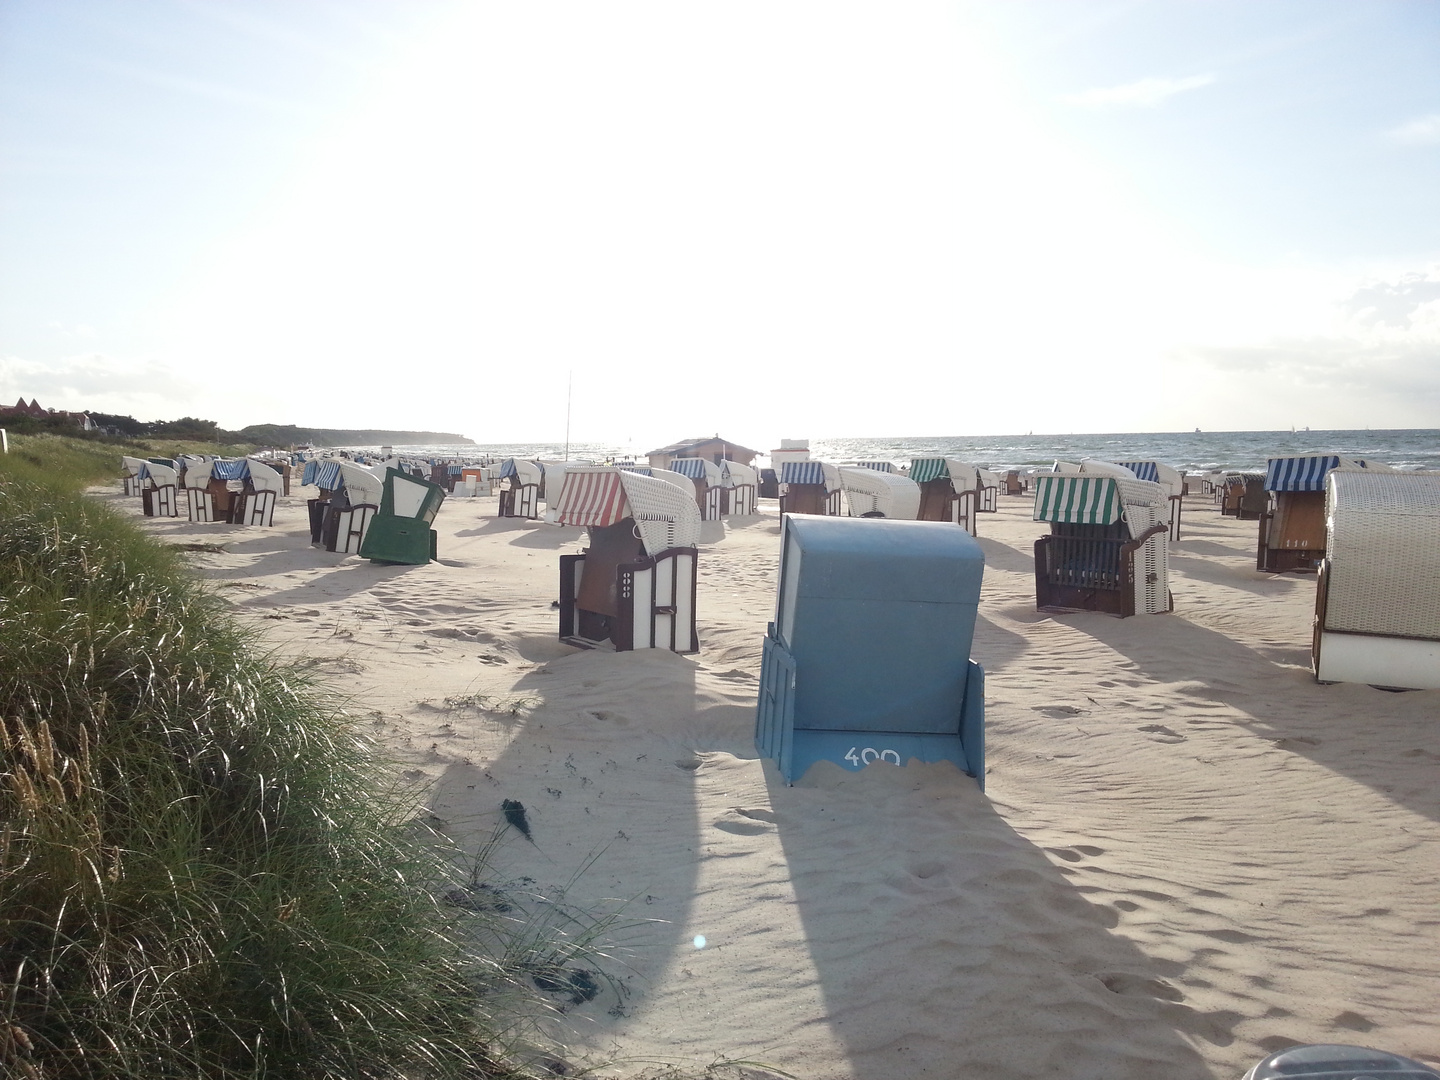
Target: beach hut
point(709, 483)
point(713, 450)
point(159, 495)
point(870, 493)
point(1242, 495)
point(1292, 528)
point(634, 586)
point(868, 658)
point(809, 487)
point(520, 482)
point(1106, 549)
point(1377, 602)
point(740, 489)
point(947, 491)
point(400, 532)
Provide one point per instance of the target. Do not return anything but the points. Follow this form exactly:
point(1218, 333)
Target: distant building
point(714, 449)
point(80, 420)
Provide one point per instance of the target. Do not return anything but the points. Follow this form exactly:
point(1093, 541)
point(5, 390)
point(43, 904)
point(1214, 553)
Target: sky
point(642, 222)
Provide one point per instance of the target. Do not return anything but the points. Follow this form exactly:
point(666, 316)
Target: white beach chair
point(741, 489)
point(263, 486)
point(520, 482)
point(160, 494)
point(870, 493)
point(1377, 602)
point(133, 474)
point(199, 503)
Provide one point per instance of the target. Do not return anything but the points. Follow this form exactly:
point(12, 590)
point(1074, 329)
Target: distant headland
point(291, 435)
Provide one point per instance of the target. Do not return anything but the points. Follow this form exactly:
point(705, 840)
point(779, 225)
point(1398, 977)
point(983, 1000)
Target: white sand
point(1189, 853)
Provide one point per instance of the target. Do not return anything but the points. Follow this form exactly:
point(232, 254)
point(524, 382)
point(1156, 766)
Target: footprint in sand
point(1058, 712)
point(1163, 733)
point(1298, 740)
point(1353, 1021)
point(745, 822)
point(1129, 984)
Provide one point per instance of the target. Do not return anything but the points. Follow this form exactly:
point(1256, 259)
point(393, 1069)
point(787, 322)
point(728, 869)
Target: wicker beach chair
point(263, 486)
point(868, 658)
point(1172, 480)
point(870, 493)
point(635, 585)
point(1377, 600)
point(1106, 549)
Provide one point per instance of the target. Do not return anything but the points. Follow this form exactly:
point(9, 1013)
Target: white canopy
point(361, 485)
point(264, 478)
point(665, 514)
point(870, 491)
point(736, 475)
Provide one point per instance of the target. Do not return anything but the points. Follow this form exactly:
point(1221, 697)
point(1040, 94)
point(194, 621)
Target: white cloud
point(1423, 131)
point(100, 383)
point(1146, 93)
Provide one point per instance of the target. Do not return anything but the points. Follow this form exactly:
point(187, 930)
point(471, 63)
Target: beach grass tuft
point(203, 870)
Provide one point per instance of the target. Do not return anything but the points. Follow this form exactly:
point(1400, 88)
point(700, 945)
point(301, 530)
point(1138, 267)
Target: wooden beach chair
point(400, 532)
point(709, 484)
point(1243, 496)
point(520, 488)
point(947, 491)
point(741, 490)
point(199, 503)
point(1377, 599)
point(810, 487)
point(987, 491)
point(868, 658)
point(132, 474)
point(1292, 528)
point(263, 486)
point(635, 585)
point(159, 497)
point(1106, 549)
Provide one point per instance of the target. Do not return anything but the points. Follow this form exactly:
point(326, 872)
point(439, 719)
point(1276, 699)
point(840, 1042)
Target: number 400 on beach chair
point(869, 654)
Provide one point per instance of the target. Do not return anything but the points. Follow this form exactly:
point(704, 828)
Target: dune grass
point(203, 871)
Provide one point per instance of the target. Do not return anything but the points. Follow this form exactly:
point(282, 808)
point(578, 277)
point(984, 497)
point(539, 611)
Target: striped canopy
point(1143, 470)
point(1077, 500)
point(592, 499)
point(638, 470)
point(1299, 473)
point(925, 469)
point(693, 467)
point(230, 470)
point(802, 472)
point(878, 466)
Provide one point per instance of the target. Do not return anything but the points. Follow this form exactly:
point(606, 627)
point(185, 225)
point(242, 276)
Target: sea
point(1188, 451)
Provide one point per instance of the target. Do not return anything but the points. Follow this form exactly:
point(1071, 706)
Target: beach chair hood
point(737, 475)
point(361, 485)
point(698, 469)
point(1097, 500)
point(811, 472)
point(888, 494)
point(524, 471)
point(665, 516)
point(263, 478)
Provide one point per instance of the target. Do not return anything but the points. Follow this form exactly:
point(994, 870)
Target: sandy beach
point(1189, 854)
